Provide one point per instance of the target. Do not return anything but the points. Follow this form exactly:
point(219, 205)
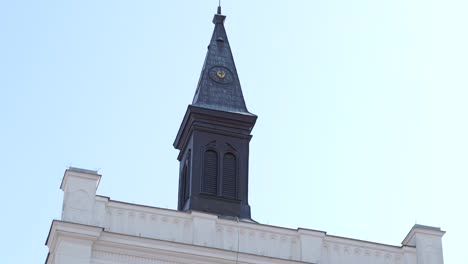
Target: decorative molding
point(338, 253)
point(229, 148)
point(113, 257)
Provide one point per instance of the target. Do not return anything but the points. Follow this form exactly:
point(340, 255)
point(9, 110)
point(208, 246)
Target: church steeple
point(214, 137)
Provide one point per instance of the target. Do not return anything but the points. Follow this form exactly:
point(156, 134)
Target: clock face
point(221, 74)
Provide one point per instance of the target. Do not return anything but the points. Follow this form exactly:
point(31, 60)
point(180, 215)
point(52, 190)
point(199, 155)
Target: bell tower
point(214, 137)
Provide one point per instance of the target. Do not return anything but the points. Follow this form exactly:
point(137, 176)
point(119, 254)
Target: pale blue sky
point(362, 107)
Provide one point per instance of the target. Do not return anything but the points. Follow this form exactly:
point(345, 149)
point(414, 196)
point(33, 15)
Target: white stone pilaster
point(79, 187)
point(71, 243)
point(311, 245)
point(428, 243)
point(204, 229)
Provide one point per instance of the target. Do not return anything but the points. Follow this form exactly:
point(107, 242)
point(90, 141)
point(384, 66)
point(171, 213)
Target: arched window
point(210, 172)
point(230, 176)
point(186, 183)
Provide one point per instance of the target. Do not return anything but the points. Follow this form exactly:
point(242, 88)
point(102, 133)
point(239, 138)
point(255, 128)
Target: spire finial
point(219, 7)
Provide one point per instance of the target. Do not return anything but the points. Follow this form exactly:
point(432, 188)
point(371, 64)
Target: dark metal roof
point(219, 87)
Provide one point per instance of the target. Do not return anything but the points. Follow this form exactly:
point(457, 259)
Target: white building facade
point(97, 230)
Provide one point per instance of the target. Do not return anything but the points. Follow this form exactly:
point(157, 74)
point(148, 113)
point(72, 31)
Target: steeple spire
point(219, 86)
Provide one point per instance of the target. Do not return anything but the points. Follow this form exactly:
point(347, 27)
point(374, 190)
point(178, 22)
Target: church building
point(212, 223)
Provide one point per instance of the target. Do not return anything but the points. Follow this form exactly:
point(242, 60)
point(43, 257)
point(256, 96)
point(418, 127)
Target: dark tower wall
point(214, 161)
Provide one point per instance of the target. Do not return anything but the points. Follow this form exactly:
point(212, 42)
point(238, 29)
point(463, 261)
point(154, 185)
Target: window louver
point(210, 172)
point(230, 176)
point(186, 183)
